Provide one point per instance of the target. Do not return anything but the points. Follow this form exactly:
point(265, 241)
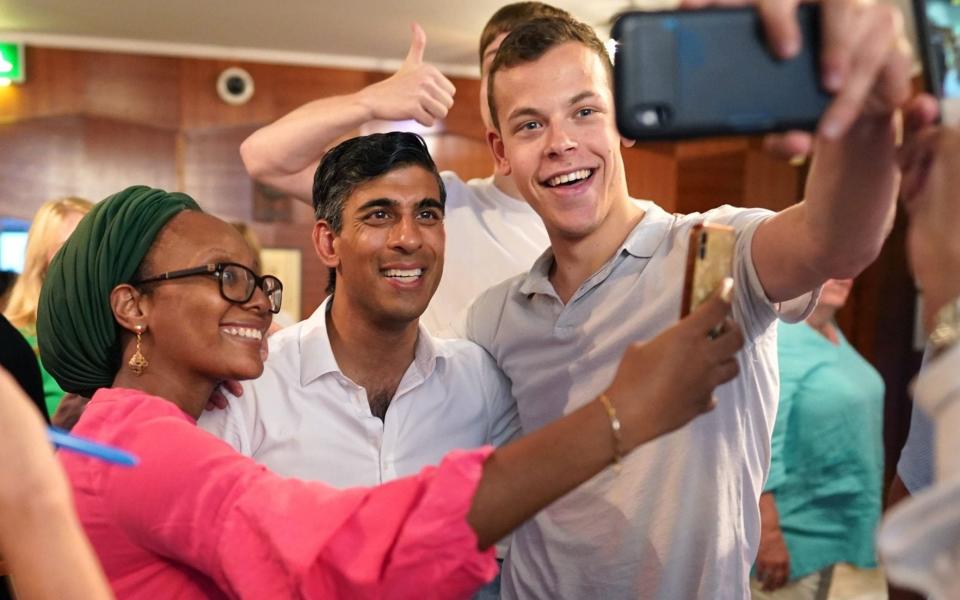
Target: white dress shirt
point(304, 418)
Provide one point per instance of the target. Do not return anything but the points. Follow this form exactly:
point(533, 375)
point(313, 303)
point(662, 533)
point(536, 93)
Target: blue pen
point(61, 439)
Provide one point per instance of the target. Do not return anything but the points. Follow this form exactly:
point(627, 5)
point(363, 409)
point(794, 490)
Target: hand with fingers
point(218, 399)
point(679, 369)
point(773, 562)
point(865, 61)
point(417, 91)
point(773, 558)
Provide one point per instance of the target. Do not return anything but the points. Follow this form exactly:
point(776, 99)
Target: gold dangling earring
point(138, 362)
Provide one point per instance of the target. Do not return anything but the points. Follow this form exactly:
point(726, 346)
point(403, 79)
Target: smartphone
point(938, 37)
point(709, 262)
point(681, 74)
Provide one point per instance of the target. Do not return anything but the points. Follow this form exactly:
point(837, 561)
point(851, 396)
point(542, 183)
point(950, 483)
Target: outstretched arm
point(285, 154)
point(851, 190)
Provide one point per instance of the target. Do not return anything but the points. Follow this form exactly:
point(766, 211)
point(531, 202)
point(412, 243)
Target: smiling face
point(192, 331)
point(558, 139)
point(388, 254)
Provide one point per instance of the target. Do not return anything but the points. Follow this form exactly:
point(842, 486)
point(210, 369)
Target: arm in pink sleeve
point(257, 535)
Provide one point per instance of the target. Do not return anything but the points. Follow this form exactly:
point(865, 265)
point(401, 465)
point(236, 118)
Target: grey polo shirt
point(681, 520)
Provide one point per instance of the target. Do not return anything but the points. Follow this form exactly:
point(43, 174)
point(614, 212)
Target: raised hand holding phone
point(864, 60)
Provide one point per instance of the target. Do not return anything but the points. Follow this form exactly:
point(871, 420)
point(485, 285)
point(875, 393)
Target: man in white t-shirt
point(359, 393)
point(491, 233)
point(681, 519)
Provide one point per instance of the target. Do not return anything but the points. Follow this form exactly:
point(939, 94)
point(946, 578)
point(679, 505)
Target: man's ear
point(627, 142)
point(495, 142)
point(130, 307)
point(325, 244)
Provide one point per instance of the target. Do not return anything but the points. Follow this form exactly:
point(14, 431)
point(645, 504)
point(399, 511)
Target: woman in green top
point(52, 225)
point(822, 500)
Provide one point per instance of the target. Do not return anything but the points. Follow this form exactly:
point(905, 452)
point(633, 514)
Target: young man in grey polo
point(681, 519)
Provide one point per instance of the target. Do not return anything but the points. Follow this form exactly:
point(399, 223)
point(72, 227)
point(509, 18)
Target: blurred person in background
point(52, 224)
point(919, 541)
point(822, 499)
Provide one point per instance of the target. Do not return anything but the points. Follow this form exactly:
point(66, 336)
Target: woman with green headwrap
point(153, 303)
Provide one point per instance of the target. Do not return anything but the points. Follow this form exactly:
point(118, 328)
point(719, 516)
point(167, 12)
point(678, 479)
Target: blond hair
point(22, 308)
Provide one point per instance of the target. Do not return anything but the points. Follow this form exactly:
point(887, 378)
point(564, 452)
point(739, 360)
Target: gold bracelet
point(615, 428)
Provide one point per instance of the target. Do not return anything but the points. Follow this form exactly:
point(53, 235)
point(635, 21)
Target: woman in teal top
point(822, 500)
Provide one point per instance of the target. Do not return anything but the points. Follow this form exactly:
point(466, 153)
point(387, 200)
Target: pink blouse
point(197, 520)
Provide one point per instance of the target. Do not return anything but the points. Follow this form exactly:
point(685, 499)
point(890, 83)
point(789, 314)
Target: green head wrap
point(76, 331)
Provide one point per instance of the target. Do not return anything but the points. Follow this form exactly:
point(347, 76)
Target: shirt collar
point(316, 354)
point(317, 358)
point(641, 242)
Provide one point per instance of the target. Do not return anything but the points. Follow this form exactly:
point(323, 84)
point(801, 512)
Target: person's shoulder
point(454, 184)
point(463, 355)
point(122, 415)
point(460, 194)
point(496, 297)
point(485, 314)
point(734, 216)
point(127, 401)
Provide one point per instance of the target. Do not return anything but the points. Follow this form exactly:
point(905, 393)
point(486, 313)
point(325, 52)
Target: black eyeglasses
point(237, 282)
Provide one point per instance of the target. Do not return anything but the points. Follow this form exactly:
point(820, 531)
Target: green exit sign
point(12, 64)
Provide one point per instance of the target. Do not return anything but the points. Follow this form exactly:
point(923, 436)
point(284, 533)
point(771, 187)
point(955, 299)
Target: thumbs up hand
point(416, 91)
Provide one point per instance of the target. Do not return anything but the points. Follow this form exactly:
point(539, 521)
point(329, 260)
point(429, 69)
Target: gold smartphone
point(709, 261)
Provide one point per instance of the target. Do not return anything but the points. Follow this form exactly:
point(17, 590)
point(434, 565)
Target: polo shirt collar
point(317, 358)
point(642, 242)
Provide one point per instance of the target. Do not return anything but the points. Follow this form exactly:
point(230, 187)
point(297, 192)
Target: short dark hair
point(531, 40)
point(511, 16)
point(359, 160)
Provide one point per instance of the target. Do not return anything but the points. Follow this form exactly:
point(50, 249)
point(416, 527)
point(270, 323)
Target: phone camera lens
point(649, 118)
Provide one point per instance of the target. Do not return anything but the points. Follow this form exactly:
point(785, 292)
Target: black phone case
point(932, 50)
point(709, 72)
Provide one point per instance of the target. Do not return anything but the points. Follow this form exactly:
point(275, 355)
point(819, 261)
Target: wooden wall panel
point(770, 182)
point(464, 118)
point(652, 174)
point(211, 169)
point(468, 157)
point(708, 180)
point(128, 87)
point(83, 156)
point(54, 87)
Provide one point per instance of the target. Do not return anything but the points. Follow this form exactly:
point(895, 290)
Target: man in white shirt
point(681, 520)
point(492, 234)
point(919, 540)
point(359, 393)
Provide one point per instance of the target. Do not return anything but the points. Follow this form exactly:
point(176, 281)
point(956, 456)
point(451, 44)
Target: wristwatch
point(946, 327)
